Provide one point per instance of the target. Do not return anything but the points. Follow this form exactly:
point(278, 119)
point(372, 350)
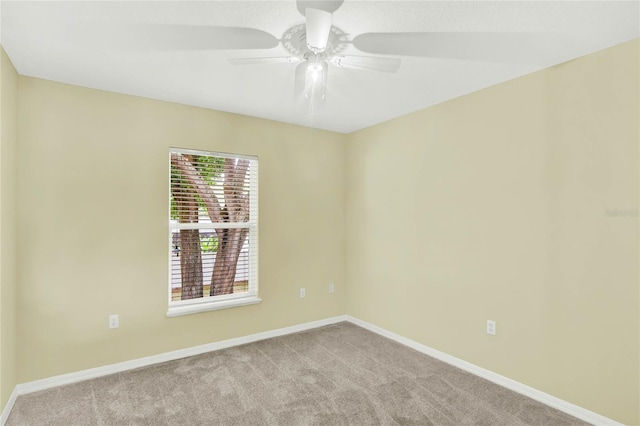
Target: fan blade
point(154, 37)
point(318, 28)
point(251, 61)
point(367, 63)
point(526, 48)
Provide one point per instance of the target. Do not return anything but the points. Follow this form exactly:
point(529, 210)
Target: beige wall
point(492, 206)
point(8, 262)
point(93, 193)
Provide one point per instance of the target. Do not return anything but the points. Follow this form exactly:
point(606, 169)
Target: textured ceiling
point(96, 44)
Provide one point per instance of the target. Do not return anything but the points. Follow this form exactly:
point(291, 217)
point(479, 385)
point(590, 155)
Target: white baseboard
point(65, 379)
point(92, 373)
point(545, 398)
point(8, 407)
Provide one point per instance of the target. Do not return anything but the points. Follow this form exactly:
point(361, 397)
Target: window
point(213, 231)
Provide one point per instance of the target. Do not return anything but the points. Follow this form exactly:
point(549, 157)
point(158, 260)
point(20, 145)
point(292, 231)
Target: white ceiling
point(81, 43)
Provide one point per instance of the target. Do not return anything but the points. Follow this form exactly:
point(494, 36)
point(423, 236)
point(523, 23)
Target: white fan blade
point(251, 61)
point(526, 48)
point(367, 63)
point(318, 28)
point(157, 37)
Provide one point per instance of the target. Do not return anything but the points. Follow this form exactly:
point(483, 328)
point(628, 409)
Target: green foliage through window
point(210, 168)
point(208, 243)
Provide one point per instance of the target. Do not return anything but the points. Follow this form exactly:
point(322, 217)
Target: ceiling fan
point(316, 44)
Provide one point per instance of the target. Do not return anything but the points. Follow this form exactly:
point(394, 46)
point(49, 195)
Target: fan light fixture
point(311, 81)
point(315, 81)
point(314, 70)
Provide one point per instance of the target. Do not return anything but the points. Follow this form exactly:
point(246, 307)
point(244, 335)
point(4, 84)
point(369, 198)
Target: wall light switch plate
point(331, 288)
point(303, 293)
point(491, 327)
point(114, 321)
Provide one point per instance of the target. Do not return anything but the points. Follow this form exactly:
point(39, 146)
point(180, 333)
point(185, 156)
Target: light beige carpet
point(335, 375)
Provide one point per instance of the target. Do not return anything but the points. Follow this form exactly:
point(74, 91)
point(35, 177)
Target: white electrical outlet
point(331, 288)
point(114, 321)
point(491, 327)
point(303, 293)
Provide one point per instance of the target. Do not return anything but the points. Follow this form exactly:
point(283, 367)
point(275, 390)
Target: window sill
point(213, 305)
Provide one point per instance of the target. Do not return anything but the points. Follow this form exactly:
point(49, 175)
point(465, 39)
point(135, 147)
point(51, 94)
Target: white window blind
point(213, 231)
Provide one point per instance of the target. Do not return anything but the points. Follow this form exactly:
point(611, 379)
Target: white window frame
point(211, 303)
